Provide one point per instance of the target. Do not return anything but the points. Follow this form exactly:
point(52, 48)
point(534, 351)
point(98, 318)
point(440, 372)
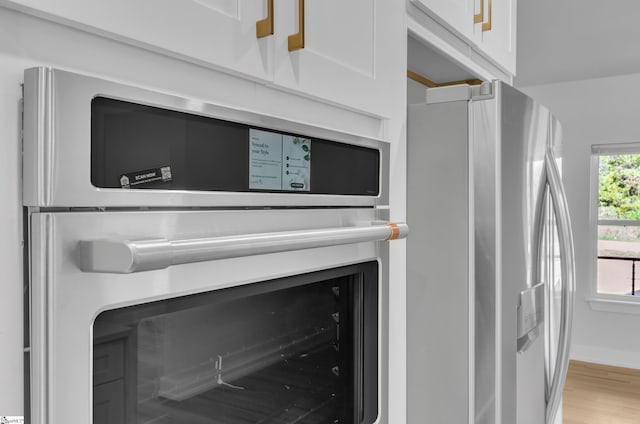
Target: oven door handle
point(127, 256)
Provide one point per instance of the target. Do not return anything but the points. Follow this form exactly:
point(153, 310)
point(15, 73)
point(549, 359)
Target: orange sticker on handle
point(395, 231)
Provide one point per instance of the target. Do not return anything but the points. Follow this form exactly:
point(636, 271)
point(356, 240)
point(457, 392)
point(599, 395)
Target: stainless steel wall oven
point(190, 262)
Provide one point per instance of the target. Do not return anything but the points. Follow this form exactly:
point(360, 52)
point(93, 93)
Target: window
point(616, 196)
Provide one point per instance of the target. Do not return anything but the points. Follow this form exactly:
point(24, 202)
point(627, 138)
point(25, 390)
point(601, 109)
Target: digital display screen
point(142, 147)
point(279, 161)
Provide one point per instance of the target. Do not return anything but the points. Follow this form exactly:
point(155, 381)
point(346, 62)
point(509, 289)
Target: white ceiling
point(564, 40)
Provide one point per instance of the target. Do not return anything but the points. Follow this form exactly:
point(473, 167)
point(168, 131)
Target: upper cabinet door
point(216, 33)
point(496, 37)
point(488, 26)
point(456, 14)
point(342, 53)
point(344, 56)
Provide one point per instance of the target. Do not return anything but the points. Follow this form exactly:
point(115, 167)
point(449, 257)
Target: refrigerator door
point(524, 127)
point(536, 277)
point(508, 137)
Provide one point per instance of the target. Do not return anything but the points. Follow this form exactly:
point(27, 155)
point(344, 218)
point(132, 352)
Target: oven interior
point(300, 349)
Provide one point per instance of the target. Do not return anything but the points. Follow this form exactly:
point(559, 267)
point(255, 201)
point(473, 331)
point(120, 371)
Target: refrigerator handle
point(561, 211)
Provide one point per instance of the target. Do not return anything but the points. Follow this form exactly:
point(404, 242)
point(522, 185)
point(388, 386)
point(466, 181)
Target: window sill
point(614, 304)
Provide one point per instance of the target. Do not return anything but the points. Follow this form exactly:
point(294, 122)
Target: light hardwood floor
point(600, 394)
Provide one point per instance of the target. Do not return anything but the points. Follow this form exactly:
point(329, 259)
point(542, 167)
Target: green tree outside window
point(619, 187)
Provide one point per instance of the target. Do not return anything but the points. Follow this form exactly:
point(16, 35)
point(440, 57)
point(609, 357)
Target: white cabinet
point(454, 14)
point(343, 61)
point(496, 37)
point(488, 26)
point(346, 46)
point(210, 32)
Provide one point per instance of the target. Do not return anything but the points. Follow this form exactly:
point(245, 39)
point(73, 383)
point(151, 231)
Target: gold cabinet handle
point(486, 26)
point(296, 41)
point(264, 27)
point(478, 18)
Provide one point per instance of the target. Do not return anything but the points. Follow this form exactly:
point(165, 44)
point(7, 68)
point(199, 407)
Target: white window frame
point(603, 301)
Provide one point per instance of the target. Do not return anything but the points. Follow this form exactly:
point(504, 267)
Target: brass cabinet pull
point(478, 18)
point(296, 41)
point(486, 26)
point(264, 27)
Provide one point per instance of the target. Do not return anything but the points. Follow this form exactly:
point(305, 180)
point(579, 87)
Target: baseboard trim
point(604, 356)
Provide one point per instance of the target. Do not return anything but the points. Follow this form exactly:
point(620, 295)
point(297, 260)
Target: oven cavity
point(283, 351)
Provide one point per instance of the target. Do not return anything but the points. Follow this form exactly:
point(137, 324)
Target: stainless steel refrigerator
point(490, 259)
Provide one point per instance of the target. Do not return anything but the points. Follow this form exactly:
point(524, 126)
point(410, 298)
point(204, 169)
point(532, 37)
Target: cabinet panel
point(344, 55)
point(499, 42)
point(219, 33)
point(467, 18)
point(352, 29)
point(346, 59)
point(456, 14)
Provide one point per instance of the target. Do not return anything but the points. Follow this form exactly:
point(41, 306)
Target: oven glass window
point(296, 350)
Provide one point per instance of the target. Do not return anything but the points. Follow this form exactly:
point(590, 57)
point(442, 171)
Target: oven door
point(183, 335)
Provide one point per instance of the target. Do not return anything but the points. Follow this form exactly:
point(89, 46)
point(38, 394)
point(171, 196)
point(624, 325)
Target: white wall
point(594, 111)
point(26, 42)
